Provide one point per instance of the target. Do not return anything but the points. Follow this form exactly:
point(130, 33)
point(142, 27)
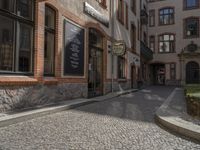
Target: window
point(166, 43)
point(16, 36)
point(172, 71)
point(191, 4)
point(49, 49)
point(145, 38)
point(121, 11)
point(191, 27)
point(133, 37)
point(152, 43)
point(127, 20)
point(134, 6)
point(152, 18)
point(166, 16)
point(121, 67)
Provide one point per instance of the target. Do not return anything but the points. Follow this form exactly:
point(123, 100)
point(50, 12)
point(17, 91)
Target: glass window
point(166, 43)
point(49, 49)
point(173, 71)
point(16, 37)
point(189, 4)
point(191, 27)
point(25, 48)
point(6, 44)
point(25, 8)
point(166, 16)
point(7, 5)
point(152, 43)
point(152, 18)
point(121, 68)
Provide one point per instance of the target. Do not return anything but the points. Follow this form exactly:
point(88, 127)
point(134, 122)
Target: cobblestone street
point(126, 122)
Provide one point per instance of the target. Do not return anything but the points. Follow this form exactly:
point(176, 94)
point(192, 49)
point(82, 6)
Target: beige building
point(173, 35)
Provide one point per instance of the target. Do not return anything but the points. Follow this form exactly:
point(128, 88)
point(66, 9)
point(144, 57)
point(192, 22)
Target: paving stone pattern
point(126, 122)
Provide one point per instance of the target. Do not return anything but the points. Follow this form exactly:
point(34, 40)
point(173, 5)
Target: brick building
point(55, 50)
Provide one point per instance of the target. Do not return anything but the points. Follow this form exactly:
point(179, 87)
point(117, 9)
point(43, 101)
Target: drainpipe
point(112, 15)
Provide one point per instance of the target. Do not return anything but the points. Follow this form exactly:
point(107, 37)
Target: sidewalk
point(172, 114)
point(15, 117)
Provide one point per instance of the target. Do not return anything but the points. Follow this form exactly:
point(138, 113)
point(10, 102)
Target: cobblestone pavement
point(126, 122)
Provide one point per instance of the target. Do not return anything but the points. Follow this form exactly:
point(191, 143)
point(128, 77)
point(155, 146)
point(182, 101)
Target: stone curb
point(27, 115)
point(175, 123)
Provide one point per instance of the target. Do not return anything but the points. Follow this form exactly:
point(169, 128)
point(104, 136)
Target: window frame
point(121, 61)
point(185, 36)
point(18, 20)
point(50, 31)
point(170, 15)
point(192, 7)
point(174, 43)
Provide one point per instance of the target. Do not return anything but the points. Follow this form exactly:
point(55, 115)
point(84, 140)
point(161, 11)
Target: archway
point(95, 71)
point(192, 72)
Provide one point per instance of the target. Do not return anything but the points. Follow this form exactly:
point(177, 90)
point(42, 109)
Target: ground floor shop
point(57, 56)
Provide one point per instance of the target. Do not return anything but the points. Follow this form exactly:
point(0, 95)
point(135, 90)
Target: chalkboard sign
point(73, 49)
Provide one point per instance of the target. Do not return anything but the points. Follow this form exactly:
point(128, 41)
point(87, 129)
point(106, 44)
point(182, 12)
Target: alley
point(125, 122)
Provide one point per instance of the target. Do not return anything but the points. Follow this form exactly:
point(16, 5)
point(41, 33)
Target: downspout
point(112, 15)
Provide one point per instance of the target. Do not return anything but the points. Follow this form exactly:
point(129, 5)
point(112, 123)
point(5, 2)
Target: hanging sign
point(119, 48)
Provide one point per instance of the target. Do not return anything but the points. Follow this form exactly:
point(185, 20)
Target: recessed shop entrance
point(158, 74)
point(95, 68)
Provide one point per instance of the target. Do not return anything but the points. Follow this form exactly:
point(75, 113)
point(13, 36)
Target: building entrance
point(158, 74)
point(95, 68)
point(192, 73)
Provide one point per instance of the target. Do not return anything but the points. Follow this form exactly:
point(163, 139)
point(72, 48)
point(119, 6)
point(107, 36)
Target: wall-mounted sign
point(73, 49)
point(119, 48)
point(95, 14)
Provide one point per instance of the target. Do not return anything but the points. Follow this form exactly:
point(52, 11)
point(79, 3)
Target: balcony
point(143, 17)
point(145, 51)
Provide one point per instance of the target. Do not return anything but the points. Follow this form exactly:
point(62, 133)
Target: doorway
point(192, 72)
point(95, 68)
point(158, 74)
point(133, 76)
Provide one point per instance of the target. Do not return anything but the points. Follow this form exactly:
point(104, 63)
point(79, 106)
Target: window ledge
point(17, 80)
point(50, 81)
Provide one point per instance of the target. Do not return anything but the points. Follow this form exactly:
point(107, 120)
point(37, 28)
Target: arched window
point(49, 45)
point(166, 16)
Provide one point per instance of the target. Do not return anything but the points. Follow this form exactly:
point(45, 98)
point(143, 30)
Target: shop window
point(173, 71)
point(152, 18)
point(121, 68)
point(166, 16)
point(191, 27)
point(166, 43)
point(49, 45)
point(16, 38)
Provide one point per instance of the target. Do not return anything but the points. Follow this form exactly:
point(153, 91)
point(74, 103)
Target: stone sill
point(50, 81)
point(17, 80)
